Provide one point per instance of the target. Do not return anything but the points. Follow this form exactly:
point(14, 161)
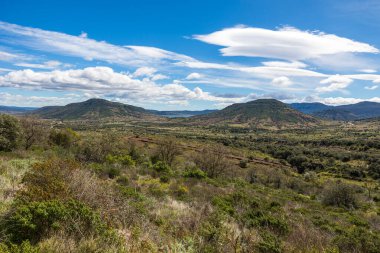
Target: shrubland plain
point(170, 186)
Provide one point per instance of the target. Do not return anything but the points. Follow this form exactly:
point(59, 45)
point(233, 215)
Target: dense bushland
point(120, 191)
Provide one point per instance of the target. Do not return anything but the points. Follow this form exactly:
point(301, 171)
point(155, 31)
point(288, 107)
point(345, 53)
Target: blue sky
point(189, 54)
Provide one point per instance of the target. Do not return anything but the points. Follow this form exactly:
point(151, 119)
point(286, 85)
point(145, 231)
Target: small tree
point(298, 161)
point(33, 131)
point(168, 150)
point(10, 132)
point(374, 169)
point(212, 160)
point(64, 138)
point(340, 194)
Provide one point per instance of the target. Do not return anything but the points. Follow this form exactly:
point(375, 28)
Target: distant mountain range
point(15, 109)
point(310, 108)
point(362, 110)
point(180, 114)
point(262, 110)
point(258, 113)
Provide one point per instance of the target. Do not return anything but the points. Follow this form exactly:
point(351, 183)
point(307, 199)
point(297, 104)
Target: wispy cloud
point(84, 47)
point(294, 62)
point(286, 43)
point(43, 65)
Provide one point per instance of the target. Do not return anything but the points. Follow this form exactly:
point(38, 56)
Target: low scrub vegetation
point(69, 188)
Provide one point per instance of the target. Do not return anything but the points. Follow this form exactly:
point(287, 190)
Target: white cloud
point(282, 81)
point(269, 72)
point(286, 43)
point(346, 101)
point(368, 71)
point(36, 101)
point(83, 35)
point(336, 83)
point(5, 56)
point(284, 64)
point(89, 49)
point(297, 55)
point(5, 70)
point(365, 77)
point(13, 57)
point(104, 81)
point(157, 77)
point(44, 65)
point(373, 87)
point(193, 76)
point(144, 71)
point(344, 62)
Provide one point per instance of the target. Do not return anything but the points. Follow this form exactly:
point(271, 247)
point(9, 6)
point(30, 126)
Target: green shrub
point(35, 220)
point(243, 164)
point(24, 247)
point(181, 191)
point(195, 173)
point(113, 172)
point(164, 179)
point(358, 239)
point(224, 205)
point(235, 204)
point(298, 161)
point(64, 138)
point(96, 147)
point(269, 243)
point(10, 133)
point(162, 167)
point(47, 180)
point(374, 169)
point(123, 180)
point(258, 218)
point(212, 231)
point(339, 194)
point(121, 159)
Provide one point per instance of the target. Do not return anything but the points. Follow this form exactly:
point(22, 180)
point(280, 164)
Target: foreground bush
point(33, 131)
point(24, 247)
point(64, 138)
point(35, 220)
point(358, 240)
point(10, 133)
point(47, 180)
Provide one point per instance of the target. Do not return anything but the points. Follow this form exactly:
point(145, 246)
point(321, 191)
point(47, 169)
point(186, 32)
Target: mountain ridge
point(94, 108)
point(104, 108)
point(258, 113)
point(357, 111)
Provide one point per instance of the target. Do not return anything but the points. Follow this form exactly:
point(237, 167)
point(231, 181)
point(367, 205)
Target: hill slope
point(362, 110)
point(261, 113)
point(92, 109)
point(310, 108)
